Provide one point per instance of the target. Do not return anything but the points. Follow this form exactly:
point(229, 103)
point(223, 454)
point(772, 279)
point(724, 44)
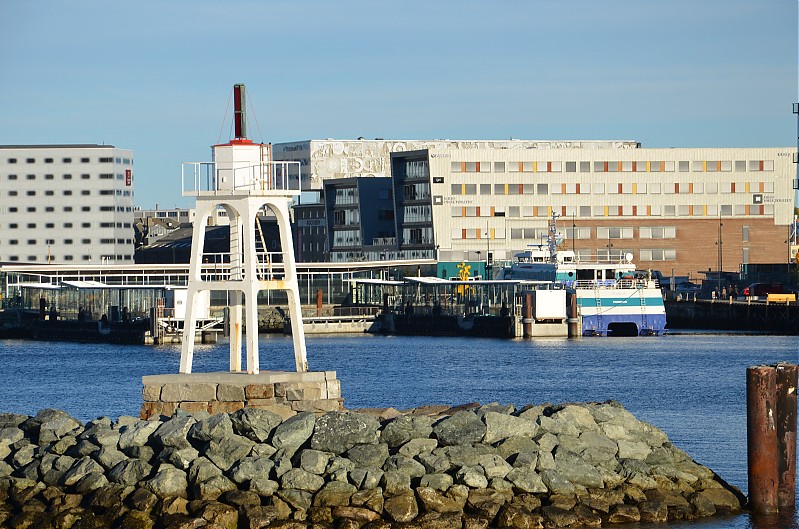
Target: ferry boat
point(612, 297)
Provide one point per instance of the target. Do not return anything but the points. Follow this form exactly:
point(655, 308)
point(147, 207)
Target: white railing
point(614, 283)
point(267, 178)
point(217, 267)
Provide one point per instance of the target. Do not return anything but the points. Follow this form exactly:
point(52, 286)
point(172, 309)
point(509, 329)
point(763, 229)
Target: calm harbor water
point(690, 385)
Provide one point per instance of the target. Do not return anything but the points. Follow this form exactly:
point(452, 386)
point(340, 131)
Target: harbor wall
point(432, 467)
point(776, 318)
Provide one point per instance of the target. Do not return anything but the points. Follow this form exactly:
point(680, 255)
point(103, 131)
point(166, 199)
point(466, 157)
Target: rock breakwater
point(433, 467)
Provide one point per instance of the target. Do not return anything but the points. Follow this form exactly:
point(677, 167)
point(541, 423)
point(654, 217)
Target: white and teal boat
point(612, 297)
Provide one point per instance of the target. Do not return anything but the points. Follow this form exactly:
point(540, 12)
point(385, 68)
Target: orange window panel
point(521, 166)
point(762, 209)
point(620, 191)
point(463, 211)
point(562, 189)
point(563, 211)
point(521, 189)
point(649, 211)
point(606, 166)
point(732, 187)
point(761, 165)
point(718, 166)
point(747, 187)
point(648, 166)
point(477, 211)
point(535, 211)
point(691, 188)
point(463, 167)
point(549, 167)
point(618, 168)
point(578, 189)
point(761, 187)
point(620, 210)
point(492, 211)
point(463, 234)
point(635, 211)
point(478, 166)
point(690, 210)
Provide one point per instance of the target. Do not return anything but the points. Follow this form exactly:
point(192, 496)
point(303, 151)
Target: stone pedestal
point(282, 392)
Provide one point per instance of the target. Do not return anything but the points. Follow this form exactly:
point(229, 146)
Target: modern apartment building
point(678, 210)
point(66, 204)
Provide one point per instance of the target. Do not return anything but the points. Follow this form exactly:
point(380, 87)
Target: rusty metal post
point(787, 378)
point(761, 390)
point(527, 321)
point(318, 302)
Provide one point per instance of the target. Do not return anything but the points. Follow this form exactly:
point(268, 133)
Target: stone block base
point(282, 392)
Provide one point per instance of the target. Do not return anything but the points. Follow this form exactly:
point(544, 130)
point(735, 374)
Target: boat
point(613, 298)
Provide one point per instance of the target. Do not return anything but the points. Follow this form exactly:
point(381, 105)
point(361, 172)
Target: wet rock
point(359, 514)
point(137, 520)
point(722, 499)
point(240, 499)
point(338, 432)
point(462, 428)
point(485, 503)
point(433, 501)
point(334, 493)
point(142, 499)
point(402, 508)
point(515, 517)
point(653, 511)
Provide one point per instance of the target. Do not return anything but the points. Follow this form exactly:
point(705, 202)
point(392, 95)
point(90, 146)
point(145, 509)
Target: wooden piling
point(762, 450)
point(787, 378)
point(527, 320)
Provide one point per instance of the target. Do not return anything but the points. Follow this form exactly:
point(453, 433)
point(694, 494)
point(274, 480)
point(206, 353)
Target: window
point(682, 167)
point(12, 209)
point(571, 167)
point(658, 254)
point(106, 191)
point(585, 211)
point(30, 160)
point(485, 189)
point(30, 177)
point(49, 241)
point(13, 242)
point(614, 233)
point(578, 233)
point(31, 193)
point(31, 209)
point(12, 160)
point(67, 177)
point(48, 177)
point(84, 160)
point(49, 209)
point(13, 225)
point(67, 241)
point(12, 177)
point(12, 193)
point(67, 208)
point(31, 241)
point(49, 192)
point(49, 225)
point(84, 177)
point(745, 233)
point(598, 189)
point(85, 241)
point(499, 167)
point(658, 232)
point(48, 160)
point(86, 225)
point(86, 208)
point(585, 167)
point(106, 160)
point(31, 225)
point(85, 192)
point(67, 192)
point(67, 224)
point(66, 160)
point(542, 189)
point(67, 258)
point(106, 176)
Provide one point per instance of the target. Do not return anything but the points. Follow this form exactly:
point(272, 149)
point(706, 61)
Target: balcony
point(270, 178)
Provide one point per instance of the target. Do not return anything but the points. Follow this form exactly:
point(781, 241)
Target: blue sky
point(156, 76)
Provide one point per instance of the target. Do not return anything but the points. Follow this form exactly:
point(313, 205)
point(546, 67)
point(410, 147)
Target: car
point(757, 291)
point(687, 288)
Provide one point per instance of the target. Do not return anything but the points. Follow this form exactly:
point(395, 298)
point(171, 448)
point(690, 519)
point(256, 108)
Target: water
point(690, 385)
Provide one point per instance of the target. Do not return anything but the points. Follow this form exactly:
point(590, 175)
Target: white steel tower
point(243, 179)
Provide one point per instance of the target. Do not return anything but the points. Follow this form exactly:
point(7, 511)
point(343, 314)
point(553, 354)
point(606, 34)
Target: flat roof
point(60, 146)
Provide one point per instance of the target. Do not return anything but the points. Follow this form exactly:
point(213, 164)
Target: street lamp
point(488, 252)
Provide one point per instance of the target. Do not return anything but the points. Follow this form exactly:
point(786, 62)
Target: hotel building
point(66, 204)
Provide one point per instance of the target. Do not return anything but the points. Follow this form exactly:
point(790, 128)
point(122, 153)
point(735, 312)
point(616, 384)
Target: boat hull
point(621, 311)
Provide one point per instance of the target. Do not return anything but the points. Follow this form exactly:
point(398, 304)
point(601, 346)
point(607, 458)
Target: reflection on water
point(691, 386)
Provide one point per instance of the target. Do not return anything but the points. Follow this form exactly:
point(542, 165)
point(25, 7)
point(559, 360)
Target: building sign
point(128, 177)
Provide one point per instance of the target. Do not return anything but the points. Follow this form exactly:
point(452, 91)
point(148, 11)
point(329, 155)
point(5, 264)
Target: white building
point(66, 204)
point(678, 210)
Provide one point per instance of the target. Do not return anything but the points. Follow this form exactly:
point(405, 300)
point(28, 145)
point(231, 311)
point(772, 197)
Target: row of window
point(126, 161)
point(84, 209)
point(68, 192)
point(649, 166)
point(84, 176)
point(51, 225)
point(14, 242)
point(51, 258)
point(692, 210)
point(619, 188)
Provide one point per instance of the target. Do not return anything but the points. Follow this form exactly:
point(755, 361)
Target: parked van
point(760, 291)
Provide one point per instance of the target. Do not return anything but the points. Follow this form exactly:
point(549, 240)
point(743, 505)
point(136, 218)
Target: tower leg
point(195, 265)
point(235, 330)
point(292, 288)
point(251, 282)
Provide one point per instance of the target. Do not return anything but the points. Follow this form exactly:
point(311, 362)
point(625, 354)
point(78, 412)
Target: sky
point(156, 76)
